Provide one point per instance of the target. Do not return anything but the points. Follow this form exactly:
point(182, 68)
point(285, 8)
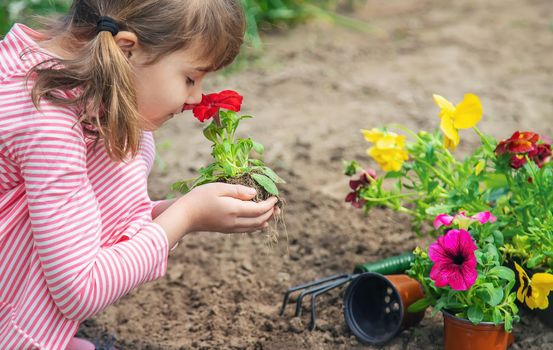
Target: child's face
point(164, 87)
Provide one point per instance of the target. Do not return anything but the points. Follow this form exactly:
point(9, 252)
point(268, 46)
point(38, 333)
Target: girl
point(78, 103)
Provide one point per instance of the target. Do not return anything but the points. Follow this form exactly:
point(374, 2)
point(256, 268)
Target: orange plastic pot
point(461, 334)
point(375, 306)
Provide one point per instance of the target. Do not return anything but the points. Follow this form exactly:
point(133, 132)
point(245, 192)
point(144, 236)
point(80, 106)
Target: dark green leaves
point(266, 183)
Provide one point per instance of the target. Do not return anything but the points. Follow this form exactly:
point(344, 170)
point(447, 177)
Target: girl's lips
point(187, 107)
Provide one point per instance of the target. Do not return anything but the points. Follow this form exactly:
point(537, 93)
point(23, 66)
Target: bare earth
point(316, 86)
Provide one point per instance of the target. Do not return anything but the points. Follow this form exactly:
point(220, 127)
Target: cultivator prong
point(314, 289)
point(307, 285)
point(328, 287)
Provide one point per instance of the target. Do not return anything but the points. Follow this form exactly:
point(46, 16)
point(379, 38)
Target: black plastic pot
point(375, 306)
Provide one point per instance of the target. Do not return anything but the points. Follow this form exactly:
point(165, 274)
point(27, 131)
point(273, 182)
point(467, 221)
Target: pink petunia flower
point(462, 220)
point(454, 260)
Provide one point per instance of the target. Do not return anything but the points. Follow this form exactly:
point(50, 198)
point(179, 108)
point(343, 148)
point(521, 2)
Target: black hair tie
point(107, 24)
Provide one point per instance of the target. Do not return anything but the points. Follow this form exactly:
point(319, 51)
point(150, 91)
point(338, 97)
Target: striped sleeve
point(82, 277)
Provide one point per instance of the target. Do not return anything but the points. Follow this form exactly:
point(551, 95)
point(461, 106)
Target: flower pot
point(375, 306)
point(461, 334)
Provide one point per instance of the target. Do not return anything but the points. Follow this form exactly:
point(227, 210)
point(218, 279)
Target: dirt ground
point(316, 86)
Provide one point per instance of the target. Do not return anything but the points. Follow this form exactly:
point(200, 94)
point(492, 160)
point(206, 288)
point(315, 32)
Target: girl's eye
point(190, 81)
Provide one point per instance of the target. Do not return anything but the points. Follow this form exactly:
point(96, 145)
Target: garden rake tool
point(387, 266)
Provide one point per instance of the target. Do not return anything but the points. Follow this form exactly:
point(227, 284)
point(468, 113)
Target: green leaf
point(257, 147)
point(272, 175)
point(496, 296)
point(266, 183)
point(508, 322)
point(498, 238)
point(227, 169)
point(495, 180)
point(351, 167)
point(210, 133)
point(474, 314)
point(419, 305)
point(496, 316)
point(256, 162)
point(534, 261)
point(181, 187)
point(432, 186)
point(438, 209)
point(393, 175)
point(502, 272)
point(227, 147)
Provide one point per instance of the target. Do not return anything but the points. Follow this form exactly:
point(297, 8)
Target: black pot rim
point(348, 314)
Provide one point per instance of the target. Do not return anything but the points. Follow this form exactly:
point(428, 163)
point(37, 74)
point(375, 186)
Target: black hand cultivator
point(375, 302)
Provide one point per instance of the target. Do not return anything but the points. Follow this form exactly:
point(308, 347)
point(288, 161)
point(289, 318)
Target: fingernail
point(252, 191)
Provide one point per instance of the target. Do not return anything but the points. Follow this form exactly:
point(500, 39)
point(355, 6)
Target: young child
point(78, 102)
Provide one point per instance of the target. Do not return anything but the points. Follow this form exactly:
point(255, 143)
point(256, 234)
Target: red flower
point(517, 161)
point(365, 178)
point(211, 104)
point(522, 144)
point(543, 152)
point(519, 142)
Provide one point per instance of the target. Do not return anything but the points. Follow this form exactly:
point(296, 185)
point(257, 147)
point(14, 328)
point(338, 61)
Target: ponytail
point(107, 97)
point(100, 72)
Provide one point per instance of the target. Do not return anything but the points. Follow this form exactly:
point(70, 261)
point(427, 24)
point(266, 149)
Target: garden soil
point(311, 92)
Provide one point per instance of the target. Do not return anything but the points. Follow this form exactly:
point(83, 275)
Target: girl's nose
point(195, 96)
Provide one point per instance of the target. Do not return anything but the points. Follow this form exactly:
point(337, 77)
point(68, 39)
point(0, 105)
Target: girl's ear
point(127, 41)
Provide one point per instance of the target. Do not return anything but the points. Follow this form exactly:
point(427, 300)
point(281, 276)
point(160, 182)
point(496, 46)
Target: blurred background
point(313, 75)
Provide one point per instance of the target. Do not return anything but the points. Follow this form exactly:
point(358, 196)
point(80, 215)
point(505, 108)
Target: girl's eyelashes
point(189, 81)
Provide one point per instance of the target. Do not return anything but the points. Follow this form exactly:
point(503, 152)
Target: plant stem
point(444, 179)
point(483, 138)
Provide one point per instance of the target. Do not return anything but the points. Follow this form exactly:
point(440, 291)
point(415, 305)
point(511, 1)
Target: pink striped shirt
point(76, 231)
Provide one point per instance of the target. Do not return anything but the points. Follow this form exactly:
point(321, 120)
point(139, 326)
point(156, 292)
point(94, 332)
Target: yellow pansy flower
point(466, 115)
point(373, 135)
point(388, 150)
point(534, 292)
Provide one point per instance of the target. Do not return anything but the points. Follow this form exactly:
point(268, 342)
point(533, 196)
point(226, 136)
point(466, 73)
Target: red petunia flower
point(454, 260)
point(211, 104)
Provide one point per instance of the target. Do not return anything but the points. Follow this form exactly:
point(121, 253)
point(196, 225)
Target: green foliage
point(22, 10)
point(232, 157)
point(434, 182)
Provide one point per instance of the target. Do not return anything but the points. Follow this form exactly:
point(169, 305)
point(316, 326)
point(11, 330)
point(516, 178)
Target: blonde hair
point(102, 72)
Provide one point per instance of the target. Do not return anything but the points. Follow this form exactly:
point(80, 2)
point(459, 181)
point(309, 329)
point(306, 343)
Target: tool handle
point(387, 266)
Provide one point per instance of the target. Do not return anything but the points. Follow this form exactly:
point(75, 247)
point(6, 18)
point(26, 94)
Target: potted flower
point(513, 178)
point(233, 160)
point(463, 276)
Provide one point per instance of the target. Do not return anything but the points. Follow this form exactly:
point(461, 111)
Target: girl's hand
point(223, 207)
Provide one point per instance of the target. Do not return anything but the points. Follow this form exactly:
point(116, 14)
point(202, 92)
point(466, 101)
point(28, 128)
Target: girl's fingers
point(249, 209)
point(254, 222)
